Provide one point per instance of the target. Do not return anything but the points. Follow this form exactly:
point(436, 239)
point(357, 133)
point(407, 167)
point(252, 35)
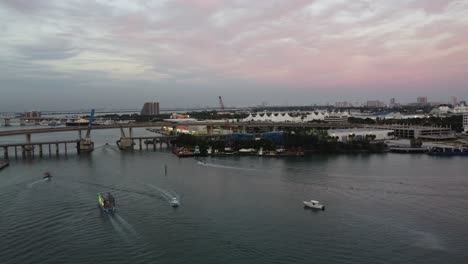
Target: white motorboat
point(314, 205)
point(174, 202)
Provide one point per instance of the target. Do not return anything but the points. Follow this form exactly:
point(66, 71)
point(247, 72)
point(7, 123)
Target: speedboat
point(47, 176)
point(174, 202)
point(314, 205)
point(106, 203)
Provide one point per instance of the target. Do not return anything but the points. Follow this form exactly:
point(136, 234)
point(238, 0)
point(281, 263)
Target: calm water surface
point(379, 208)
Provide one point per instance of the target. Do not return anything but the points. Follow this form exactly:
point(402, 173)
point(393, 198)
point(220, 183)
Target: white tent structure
point(248, 119)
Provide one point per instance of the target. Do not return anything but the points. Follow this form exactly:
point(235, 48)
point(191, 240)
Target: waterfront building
point(150, 109)
point(460, 109)
point(286, 117)
point(32, 114)
point(422, 132)
point(344, 135)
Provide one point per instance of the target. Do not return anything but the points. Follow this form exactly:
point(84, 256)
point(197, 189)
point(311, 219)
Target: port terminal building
point(418, 132)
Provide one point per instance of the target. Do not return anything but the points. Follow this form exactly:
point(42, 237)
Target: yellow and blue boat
point(106, 203)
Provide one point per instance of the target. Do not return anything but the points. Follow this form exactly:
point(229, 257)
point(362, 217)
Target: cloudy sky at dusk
point(73, 54)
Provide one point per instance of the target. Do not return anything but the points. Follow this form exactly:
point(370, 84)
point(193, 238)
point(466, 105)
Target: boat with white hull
point(314, 205)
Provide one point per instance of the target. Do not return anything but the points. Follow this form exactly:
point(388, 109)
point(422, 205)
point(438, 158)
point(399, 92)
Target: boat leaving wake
point(168, 195)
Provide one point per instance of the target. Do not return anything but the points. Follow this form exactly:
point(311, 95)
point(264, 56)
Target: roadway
point(175, 124)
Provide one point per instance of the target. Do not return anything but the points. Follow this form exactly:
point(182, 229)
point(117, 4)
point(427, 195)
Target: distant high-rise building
point(375, 104)
point(342, 104)
point(392, 101)
point(453, 100)
point(422, 100)
point(462, 102)
point(150, 108)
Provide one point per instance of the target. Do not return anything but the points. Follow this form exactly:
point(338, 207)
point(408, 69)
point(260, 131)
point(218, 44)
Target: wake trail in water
point(168, 195)
point(127, 226)
point(36, 182)
point(118, 228)
point(223, 166)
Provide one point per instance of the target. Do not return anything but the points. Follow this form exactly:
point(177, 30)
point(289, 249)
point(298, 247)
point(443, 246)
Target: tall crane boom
point(221, 103)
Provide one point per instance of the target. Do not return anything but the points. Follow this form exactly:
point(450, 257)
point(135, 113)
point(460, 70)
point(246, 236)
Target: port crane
point(221, 104)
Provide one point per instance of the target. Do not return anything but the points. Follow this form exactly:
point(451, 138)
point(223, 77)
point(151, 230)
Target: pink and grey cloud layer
point(308, 45)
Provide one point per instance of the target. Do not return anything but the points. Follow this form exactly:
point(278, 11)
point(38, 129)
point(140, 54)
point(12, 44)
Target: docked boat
point(77, 122)
point(314, 205)
point(448, 151)
point(106, 203)
point(174, 202)
point(54, 123)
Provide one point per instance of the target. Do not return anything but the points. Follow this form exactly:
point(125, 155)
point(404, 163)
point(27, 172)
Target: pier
point(28, 149)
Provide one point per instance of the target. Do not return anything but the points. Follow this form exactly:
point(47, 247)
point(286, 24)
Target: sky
point(62, 55)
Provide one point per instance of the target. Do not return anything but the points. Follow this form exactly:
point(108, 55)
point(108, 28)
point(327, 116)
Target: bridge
point(127, 141)
point(208, 124)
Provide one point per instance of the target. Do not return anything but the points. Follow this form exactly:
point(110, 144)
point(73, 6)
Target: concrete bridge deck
point(177, 124)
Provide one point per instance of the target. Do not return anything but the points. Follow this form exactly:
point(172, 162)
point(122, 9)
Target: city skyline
point(58, 55)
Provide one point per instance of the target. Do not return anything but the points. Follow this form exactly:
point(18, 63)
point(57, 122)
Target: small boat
point(106, 203)
point(314, 205)
point(448, 151)
point(47, 176)
point(174, 202)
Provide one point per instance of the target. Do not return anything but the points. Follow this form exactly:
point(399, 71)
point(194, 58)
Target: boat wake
point(167, 195)
point(122, 227)
point(36, 182)
point(202, 163)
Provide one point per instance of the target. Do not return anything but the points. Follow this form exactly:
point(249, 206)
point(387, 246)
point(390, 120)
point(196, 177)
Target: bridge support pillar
point(174, 130)
point(57, 149)
point(140, 145)
point(66, 149)
point(209, 130)
point(126, 143)
point(244, 129)
point(79, 134)
point(28, 149)
point(16, 153)
point(5, 153)
point(40, 150)
point(86, 145)
point(50, 151)
point(7, 122)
